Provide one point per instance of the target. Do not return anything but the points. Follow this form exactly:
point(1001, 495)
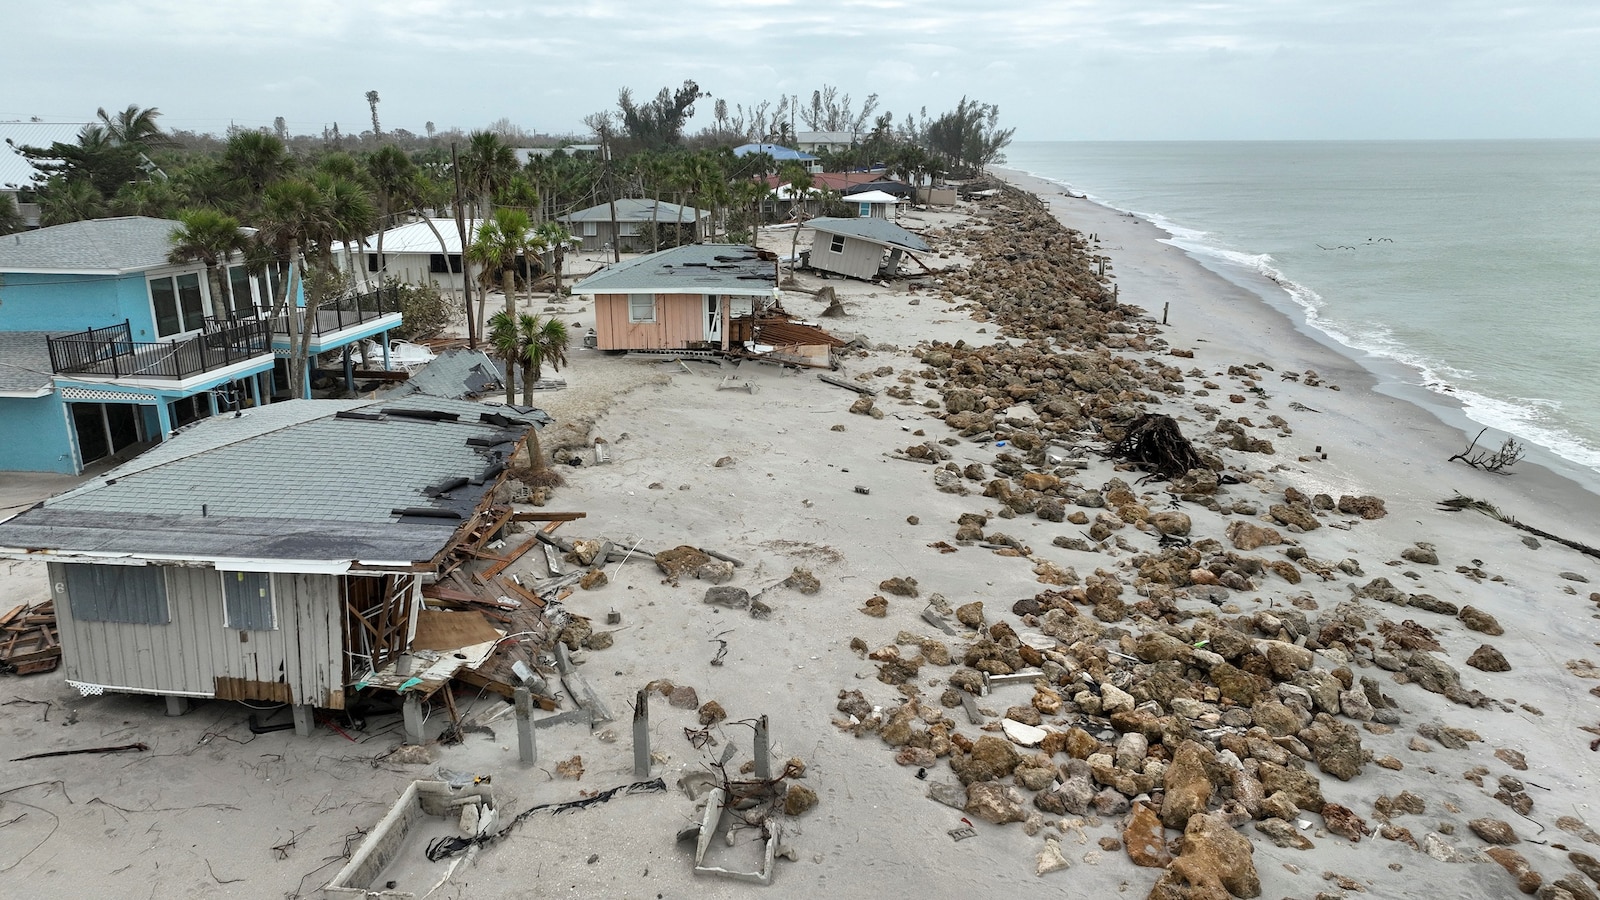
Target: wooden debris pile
point(29, 642)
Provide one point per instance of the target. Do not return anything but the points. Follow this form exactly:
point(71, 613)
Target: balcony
point(334, 316)
point(112, 352)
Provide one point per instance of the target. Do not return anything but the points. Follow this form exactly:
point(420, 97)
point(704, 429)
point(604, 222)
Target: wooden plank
point(521, 592)
point(511, 557)
point(499, 523)
point(538, 515)
point(836, 381)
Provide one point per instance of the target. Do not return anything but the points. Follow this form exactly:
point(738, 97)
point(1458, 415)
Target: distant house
point(778, 152)
point(898, 189)
point(276, 556)
point(17, 172)
point(524, 154)
point(678, 299)
point(421, 252)
point(867, 248)
point(105, 346)
point(875, 204)
point(634, 217)
point(827, 141)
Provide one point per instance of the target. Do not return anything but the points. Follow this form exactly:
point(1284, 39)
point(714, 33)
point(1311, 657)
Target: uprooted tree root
point(1156, 443)
point(1507, 456)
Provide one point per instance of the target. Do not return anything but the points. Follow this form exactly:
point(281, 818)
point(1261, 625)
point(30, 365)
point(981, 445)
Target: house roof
point(457, 373)
point(878, 231)
point(833, 181)
point(16, 170)
point(635, 209)
point(417, 237)
point(896, 188)
point(303, 486)
point(690, 269)
point(776, 151)
point(114, 246)
point(872, 197)
point(24, 364)
point(827, 137)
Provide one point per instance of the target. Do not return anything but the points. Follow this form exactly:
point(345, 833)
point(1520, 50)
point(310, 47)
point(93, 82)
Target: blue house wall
point(36, 436)
point(65, 302)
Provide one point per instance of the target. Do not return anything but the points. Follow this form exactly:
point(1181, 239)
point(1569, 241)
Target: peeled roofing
point(880, 231)
point(328, 468)
point(690, 269)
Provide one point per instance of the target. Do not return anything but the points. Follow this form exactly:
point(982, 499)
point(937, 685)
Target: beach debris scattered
point(29, 641)
point(1509, 454)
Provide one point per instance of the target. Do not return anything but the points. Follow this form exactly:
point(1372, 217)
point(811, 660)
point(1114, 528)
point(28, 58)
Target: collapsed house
point(277, 555)
point(866, 248)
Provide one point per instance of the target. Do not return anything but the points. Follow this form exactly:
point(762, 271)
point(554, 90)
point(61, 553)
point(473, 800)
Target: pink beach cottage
point(679, 299)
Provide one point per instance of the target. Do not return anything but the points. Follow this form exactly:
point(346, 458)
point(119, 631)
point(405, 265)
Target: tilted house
point(106, 346)
point(635, 217)
point(865, 248)
point(276, 556)
point(678, 299)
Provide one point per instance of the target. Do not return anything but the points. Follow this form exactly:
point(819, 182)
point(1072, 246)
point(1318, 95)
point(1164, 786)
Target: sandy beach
point(1223, 673)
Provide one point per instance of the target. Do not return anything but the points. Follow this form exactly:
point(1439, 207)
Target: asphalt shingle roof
point(879, 231)
point(90, 247)
point(690, 269)
point(24, 361)
point(290, 481)
point(634, 209)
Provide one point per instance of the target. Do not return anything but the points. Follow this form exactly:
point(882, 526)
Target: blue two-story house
point(105, 345)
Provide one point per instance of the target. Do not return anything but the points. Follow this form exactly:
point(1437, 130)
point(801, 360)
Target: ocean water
point(1463, 269)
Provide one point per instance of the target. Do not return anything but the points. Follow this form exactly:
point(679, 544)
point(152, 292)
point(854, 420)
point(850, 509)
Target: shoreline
point(1541, 480)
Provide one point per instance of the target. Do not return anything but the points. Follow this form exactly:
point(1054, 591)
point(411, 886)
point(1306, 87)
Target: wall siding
point(36, 436)
point(680, 321)
point(860, 259)
point(187, 655)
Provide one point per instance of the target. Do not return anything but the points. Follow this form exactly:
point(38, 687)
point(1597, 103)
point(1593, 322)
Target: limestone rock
point(1171, 523)
point(725, 595)
point(1188, 786)
point(712, 712)
point(994, 802)
point(950, 793)
point(1365, 507)
point(798, 799)
point(593, 579)
point(1515, 863)
point(1494, 831)
point(716, 571)
point(1343, 821)
point(685, 697)
point(1336, 746)
point(681, 560)
point(803, 581)
point(1284, 834)
point(1488, 659)
point(1050, 858)
point(1249, 536)
point(1421, 554)
point(1114, 699)
point(991, 758)
point(1296, 515)
point(1144, 838)
point(1215, 862)
point(970, 614)
point(1477, 620)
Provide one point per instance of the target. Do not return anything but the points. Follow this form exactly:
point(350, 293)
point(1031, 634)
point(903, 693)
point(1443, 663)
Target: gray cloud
point(1095, 69)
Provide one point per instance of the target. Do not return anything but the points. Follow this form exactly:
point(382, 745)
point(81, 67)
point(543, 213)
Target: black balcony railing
point(111, 351)
point(346, 312)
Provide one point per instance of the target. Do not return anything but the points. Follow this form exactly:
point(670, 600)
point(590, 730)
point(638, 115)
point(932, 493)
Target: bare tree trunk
point(466, 272)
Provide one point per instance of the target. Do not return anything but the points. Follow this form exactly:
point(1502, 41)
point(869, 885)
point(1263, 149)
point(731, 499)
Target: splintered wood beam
point(498, 523)
point(521, 592)
point(538, 515)
point(511, 557)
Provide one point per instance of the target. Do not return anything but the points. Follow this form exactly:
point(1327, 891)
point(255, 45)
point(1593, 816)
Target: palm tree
point(252, 161)
point(393, 176)
point(351, 213)
point(156, 199)
point(212, 238)
point(487, 166)
point(500, 242)
point(507, 345)
point(296, 214)
point(543, 341)
point(135, 127)
point(800, 185)
point(69, 200)
point(555, 237)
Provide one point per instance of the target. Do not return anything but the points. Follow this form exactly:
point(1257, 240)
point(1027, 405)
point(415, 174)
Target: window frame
point(837, 244)
point(92, 578)
point(634, 318)
point(182, 315)
point(230, 617)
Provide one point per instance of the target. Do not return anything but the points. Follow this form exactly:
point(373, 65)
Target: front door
point(713, 319)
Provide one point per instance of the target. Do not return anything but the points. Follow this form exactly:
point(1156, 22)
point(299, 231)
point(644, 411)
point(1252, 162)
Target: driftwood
point(1156, 443)
point(1497, 461)
point(1461, 501)
point(836, 381)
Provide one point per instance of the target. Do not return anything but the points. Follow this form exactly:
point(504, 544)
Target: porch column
point(722, 310)
point(211, 401)
point(384, 336)
point(305, 376)
point(163, 417)
point(304, 718)
point(349, 371)
point(255, 389)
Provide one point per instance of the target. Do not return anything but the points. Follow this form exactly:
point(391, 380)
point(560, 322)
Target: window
point(436, 263)
point(179, 303)
point(589, 229)
point(837, 246)
point(642, 308)
point(247, 601)
point(628, 229)
point(135, 595)
point(240, 282)
point(372, 262)
point(866, 210)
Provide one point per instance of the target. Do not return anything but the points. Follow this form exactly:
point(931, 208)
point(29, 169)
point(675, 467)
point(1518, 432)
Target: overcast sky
point(1059, 69)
